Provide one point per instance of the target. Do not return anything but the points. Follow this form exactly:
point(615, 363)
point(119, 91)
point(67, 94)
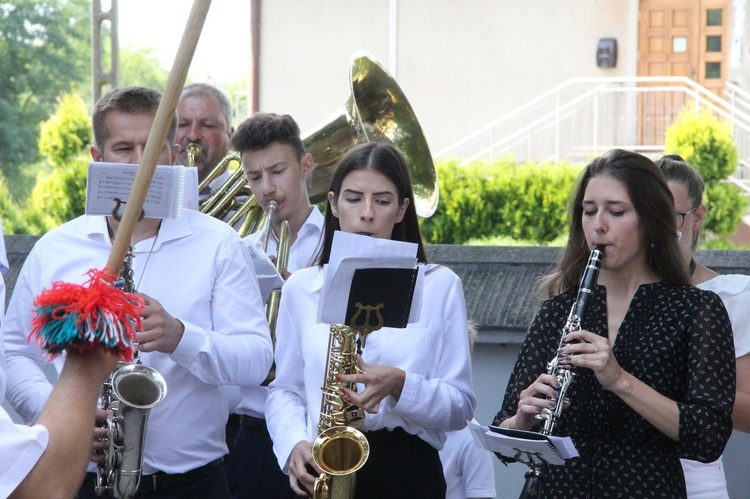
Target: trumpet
point(282, 260)
point(375, 110)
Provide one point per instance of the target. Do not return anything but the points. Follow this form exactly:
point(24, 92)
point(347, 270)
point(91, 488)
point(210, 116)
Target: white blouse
point(437, 395)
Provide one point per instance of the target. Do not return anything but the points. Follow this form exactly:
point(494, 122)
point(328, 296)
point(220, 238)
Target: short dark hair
point(653, 202)
point(263, 129)
point(128, 100)
point(385, 158)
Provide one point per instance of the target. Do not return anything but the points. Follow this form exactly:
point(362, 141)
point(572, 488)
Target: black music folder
point(380, 297)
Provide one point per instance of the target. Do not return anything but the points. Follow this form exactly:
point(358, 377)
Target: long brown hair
point(654, 205)
point(385, 158)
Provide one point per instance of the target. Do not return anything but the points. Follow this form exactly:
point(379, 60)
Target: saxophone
point(128, 396)
point(563, 373)
point(340, 449)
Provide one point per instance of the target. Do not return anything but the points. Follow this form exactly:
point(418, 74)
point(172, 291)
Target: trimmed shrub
point(483, 200)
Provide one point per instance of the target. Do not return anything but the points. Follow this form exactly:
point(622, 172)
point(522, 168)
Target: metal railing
point(585, 117)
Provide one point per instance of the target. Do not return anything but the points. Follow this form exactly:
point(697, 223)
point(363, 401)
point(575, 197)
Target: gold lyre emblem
point(366, 326)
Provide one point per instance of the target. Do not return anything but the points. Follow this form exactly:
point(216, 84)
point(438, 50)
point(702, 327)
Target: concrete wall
point(460, 64)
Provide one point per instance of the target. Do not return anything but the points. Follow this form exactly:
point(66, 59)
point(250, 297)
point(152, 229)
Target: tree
point(60, 195)
point(141, 67)
point(67, 132)
point(44, 51)
point(707, 145)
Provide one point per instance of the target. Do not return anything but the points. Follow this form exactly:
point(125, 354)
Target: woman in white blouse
point(418, 381)
point(706, 480)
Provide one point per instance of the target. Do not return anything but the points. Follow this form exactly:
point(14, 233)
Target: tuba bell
point(376, 110)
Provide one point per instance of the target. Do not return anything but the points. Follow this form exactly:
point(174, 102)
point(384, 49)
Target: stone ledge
point(499, 281)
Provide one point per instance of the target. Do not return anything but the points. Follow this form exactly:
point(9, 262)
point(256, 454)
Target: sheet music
point(108, 187)
point(269, 278)
point(353, 251)
point(528, 445)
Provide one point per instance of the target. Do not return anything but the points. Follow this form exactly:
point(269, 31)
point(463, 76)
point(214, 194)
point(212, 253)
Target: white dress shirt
point(707, 480)
point(434, 352)
point(20, 449)
point(251, 400)
point(200, 271)
point(467, 468)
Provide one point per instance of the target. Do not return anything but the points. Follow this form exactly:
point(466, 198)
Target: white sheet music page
point(527, 441)
point(353, 251)
point(269, 278)
point(108, 187)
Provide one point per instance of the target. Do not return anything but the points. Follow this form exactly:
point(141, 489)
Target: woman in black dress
point(654, 360)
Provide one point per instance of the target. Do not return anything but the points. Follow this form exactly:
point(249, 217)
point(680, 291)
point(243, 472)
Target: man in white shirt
point(277, 166)
point(203, 324)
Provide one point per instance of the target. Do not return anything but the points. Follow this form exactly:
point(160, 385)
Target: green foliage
point(725, 205)
point(704, 143)
point(67, 132)
point(45, 48)
point(524, 202)
point(707, 145)
point(141, 67)
point(57, 197)
point(12, 217)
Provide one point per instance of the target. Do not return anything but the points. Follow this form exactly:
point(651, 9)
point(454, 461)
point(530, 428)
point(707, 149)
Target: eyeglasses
point(683, 215)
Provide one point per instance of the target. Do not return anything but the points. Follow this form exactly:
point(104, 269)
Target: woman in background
point(654, 371)
point(707, 480)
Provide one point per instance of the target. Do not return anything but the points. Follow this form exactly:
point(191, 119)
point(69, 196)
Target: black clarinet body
point(564, 373)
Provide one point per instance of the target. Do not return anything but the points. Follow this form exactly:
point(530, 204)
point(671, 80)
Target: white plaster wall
point(461, 64)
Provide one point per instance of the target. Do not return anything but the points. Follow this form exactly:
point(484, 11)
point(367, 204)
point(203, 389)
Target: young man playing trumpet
point(277, 167)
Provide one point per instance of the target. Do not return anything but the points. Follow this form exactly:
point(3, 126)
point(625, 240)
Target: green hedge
point(483, 200)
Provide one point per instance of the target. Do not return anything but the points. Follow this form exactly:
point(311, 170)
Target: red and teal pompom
point(93, 315)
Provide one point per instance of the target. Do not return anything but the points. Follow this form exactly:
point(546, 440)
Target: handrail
point(554, 125)
point(600, 82)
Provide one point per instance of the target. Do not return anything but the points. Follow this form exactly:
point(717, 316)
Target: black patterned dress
point(676, 339)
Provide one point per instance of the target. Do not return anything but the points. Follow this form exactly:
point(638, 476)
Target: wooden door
point(713, 45)
point(679, 38)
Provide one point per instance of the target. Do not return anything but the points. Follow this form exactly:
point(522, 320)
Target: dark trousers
point(400, 466)
point(206, 482)
point(253, 469)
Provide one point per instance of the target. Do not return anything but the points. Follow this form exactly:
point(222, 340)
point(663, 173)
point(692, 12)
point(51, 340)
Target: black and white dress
point(676, 339)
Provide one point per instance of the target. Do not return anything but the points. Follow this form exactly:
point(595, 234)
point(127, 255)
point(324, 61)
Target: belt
point(253, 423)
point(161, 480)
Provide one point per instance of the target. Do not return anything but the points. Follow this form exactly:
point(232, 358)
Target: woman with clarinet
point(653, 361)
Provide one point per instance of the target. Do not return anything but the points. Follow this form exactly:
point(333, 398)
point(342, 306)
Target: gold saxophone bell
point(340, 449)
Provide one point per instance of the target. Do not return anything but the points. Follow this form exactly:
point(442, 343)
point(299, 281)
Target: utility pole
point(98, 76)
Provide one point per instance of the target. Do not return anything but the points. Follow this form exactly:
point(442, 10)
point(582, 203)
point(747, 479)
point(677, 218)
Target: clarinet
point(564, 373)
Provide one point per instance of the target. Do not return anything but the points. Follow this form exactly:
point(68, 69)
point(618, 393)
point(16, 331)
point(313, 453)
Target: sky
point(225, 38)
